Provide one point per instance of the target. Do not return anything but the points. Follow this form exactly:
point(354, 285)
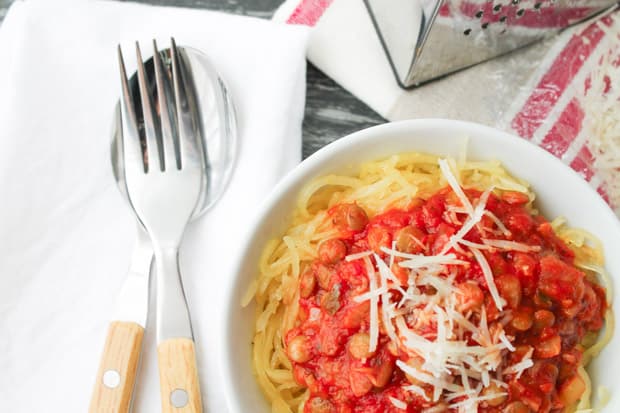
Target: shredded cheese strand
point(488, 278)
point(374, 302)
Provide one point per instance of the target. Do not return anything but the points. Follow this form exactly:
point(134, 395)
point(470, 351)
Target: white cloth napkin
point(66, 235)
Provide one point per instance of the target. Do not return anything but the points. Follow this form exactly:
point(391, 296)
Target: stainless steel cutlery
point(164, 176)
point(159, 158)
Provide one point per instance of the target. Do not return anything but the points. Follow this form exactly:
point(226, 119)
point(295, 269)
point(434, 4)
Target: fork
point(164, 173)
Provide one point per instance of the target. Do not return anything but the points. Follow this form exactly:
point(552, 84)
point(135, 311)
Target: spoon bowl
point(217, 123)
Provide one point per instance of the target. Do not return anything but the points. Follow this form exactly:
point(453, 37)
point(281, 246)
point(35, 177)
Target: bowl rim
point(300, 174)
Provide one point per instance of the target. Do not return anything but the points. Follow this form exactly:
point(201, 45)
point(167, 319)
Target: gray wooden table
point(331, 112)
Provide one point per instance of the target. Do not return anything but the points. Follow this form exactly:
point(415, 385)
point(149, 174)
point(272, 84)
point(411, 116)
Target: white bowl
point(559, 190)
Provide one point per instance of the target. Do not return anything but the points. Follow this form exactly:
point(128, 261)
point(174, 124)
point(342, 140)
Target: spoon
point(219, 128)
point(119, 362)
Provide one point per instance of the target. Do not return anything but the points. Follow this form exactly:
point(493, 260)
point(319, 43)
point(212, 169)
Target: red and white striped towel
point(536, 93)
point(552, 113)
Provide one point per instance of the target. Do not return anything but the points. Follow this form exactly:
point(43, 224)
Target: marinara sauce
point(550, 307)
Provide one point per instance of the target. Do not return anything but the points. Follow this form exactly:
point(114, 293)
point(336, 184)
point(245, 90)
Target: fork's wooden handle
point(178, 376)
point(118, 367)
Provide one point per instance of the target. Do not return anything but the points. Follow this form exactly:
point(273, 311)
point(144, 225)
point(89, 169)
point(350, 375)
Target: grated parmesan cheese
point(359, 255)
point(500, 225)
point(399, 404)
point(374, 302)
point(488, 278)
point(418, 391)
point(387, 307)
point(510, 245)
point(452, 354)
point(472, 221)
point(370, 294)
point(477, 399)
point(505, 341)
point(525, 363)
point(454, 184)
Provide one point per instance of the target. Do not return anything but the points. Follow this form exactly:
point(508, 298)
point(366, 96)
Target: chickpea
point(522, 319)
point(471, 296)
point(350, 217)
point(548, 373)
point(298, 349)
point(572, 310)
point(358, 346)
point(332, 251)
point(491, 390)
point(548, 348)
point(323, 275)
point(571, 358)
point(571, 390)
point(409, 239)
point(509, 288)
point(307, 282)
point(360, 383)
point(521, 350)
point(320, 405)
point(516, 407)
point(331, 301)
point(383, 373)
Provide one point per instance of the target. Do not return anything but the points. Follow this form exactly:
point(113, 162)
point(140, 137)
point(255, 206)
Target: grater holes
point(467, 32)
point(497, 8)
point(537, 6)
point(520, 12)
point(515, 2)
point(503, 19)
point(484, 25)
point(479, 14)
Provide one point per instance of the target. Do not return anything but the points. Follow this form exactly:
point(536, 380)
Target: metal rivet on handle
point(111, 379)
point(179, 398)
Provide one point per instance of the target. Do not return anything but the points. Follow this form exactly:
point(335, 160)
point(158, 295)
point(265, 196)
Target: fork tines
point(159, 130)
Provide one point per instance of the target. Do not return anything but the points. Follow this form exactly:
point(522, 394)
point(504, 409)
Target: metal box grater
point(426, 39)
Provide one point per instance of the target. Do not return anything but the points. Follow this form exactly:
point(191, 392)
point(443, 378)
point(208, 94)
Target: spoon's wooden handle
point(117, 369)
point(178, 376)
